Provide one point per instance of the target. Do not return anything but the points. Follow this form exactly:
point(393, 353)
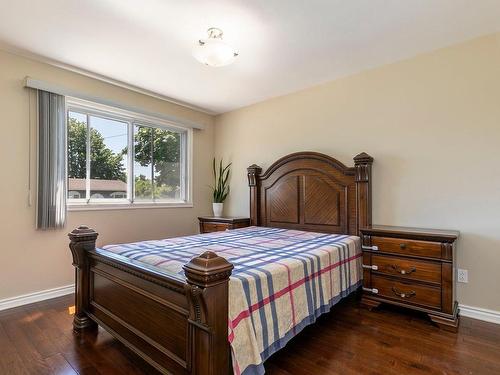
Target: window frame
point(132, 119)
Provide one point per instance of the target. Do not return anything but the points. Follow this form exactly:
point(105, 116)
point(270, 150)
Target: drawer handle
point(402, 245)
point(402, 271)
point(403, 295)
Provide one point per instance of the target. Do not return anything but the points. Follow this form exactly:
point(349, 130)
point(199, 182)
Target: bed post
point(82, 239)
point(254, 172)
point(363, 165)
point(208, 295)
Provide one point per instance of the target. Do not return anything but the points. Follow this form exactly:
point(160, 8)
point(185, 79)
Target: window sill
point(125, 206)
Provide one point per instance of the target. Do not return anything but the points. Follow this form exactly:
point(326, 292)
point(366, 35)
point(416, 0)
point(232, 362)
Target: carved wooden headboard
point(312, 191)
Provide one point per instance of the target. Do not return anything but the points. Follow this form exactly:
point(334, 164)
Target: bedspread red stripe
point(246, 313)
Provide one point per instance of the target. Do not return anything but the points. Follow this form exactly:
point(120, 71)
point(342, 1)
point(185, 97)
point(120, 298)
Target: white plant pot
point(217, 207)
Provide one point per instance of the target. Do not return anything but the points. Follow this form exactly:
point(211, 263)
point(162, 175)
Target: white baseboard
point(25, 299)
point(478, 313)
point(486, 315)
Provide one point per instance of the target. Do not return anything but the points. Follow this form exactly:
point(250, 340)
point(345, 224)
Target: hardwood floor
point(38, 339)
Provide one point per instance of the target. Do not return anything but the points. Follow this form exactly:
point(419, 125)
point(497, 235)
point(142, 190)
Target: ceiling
point(284, 45)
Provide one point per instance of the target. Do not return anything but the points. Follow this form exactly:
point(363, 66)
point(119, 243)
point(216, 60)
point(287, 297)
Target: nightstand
point(216, 224)
point(413, 268)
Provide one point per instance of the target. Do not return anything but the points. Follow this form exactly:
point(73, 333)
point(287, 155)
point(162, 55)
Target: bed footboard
point(178, 326)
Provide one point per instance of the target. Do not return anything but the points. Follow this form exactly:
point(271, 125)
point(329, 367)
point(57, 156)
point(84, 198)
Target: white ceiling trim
point(35, 57)
point(56, 89)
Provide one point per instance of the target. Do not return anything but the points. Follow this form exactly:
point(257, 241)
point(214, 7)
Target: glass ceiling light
point(213, 51)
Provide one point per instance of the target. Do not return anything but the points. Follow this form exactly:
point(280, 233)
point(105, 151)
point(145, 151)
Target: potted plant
point(221, 187)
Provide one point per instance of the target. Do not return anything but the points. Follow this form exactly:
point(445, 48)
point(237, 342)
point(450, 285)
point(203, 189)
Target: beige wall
point(31, 260)
point(432, 123)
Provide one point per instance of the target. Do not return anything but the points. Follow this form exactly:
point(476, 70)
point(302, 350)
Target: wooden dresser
point(411, 267)
point(216, 224)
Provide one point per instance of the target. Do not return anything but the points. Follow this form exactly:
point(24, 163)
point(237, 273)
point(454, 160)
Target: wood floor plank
point(10, 361)
point(38, 339)
point(59, 365)
point(18, 328)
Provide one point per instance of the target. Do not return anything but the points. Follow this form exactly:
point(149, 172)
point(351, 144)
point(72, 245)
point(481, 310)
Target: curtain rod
point(46, 86)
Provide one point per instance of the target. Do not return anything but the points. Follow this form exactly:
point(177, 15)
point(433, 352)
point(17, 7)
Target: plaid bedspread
point(282, 281)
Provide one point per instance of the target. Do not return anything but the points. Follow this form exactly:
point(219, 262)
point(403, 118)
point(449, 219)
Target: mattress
point(282, 281)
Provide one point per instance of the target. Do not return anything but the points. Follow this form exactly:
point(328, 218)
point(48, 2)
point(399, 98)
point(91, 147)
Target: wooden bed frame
point(179, 325)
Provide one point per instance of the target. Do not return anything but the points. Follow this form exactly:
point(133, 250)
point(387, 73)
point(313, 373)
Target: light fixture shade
point(213, 51)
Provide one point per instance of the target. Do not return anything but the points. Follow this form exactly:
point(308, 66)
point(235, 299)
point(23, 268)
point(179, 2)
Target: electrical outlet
point(463, 276)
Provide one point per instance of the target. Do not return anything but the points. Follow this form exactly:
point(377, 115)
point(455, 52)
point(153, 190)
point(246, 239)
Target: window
point(117, 157)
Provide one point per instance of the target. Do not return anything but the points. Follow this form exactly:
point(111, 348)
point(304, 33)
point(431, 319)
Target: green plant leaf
point(221, 181)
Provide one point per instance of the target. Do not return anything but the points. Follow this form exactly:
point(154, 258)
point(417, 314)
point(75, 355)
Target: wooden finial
point(363, 158)
point(253, 172)
point(82, 233)
point(363, 163)
point(207, 269)
point(81, 239)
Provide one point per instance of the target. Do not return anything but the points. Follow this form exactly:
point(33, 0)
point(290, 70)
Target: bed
point(221, 303)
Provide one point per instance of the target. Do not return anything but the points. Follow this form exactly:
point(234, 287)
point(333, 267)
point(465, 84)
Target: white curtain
point(51, 201)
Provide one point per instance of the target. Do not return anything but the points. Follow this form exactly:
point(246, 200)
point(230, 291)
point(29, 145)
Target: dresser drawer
point(407, 247)
point(217, 224)
point(411, 269)
point(239, 225)
point(215, 227)
point(407, 292)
